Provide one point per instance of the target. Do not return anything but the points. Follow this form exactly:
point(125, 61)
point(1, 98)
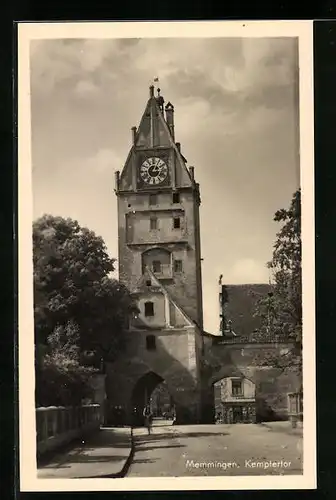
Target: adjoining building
point(235, 400)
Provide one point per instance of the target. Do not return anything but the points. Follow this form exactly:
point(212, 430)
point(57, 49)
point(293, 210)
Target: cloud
point(231, 65)
point(248, 271)
point(105, 160)
point(85, 88)
point(235, 116)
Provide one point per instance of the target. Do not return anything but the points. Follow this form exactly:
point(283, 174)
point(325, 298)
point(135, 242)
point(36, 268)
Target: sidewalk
point(107, 453)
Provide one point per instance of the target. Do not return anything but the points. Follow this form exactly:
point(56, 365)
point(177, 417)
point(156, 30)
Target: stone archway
point(182, 398)
point(141, 394)
point(142, 391)
point(129, 379)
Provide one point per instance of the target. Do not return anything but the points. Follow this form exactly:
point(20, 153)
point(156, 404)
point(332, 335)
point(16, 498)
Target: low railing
point(295, 408)
point(58, 425)
point(262, 339)
point(241, 396)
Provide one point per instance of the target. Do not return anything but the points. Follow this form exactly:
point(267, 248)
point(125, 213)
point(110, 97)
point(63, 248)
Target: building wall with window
point(236, 359)
point(153, 310)
point(149, 226)
point(169, 353)
point(235, 400)
point(138, 245)
point(236, 389)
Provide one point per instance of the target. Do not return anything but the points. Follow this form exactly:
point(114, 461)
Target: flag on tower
point(156, 79)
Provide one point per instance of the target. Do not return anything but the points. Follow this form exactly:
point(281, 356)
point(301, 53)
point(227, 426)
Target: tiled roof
point(241, 305)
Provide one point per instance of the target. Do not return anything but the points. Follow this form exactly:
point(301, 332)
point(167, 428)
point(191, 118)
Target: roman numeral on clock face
point(153, 171)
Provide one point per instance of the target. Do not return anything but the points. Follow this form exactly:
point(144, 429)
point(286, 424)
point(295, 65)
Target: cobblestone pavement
point(216, 450)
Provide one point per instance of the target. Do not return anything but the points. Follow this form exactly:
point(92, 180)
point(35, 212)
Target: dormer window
point(176, 197)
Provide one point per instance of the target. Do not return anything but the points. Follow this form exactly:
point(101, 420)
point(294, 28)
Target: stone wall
point(57, 426)
point(246, 360)
point(175, 360)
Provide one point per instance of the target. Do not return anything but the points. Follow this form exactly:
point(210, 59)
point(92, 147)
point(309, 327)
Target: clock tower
point(160, 263)
point(158, 213)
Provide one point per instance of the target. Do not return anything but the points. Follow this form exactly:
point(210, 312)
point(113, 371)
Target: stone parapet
point(58, 426)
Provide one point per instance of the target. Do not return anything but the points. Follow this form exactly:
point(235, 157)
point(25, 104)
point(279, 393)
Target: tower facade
point(158, 214)
point(160, 263)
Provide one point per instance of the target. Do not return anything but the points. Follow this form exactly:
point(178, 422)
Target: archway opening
point(152, 389)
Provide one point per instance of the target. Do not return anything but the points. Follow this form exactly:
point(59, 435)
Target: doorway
point(152, 390)
point(237, 414)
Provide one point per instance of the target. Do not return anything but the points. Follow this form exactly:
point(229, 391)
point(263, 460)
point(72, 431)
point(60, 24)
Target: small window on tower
point(178, 266)
point(153, 223)
point(176, 197)
point(177, 222)
point(156, 266)
point(150, 343)
point(153, 199)
point(149, 309)
point(148, 283)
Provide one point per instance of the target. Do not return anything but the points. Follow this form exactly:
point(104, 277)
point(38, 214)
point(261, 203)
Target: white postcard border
point(303, 30)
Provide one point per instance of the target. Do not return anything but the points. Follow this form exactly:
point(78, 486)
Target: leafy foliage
point(72, 283)
point(280, 312)
point(61, 378)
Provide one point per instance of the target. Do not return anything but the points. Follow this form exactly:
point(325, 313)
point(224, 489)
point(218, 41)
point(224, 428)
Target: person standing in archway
point(147, 413)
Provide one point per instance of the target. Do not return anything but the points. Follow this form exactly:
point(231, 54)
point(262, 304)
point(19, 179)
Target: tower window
point(237, 388)
point(148, 283)
point(149, 309)
point(153, 223)
point(177, 222)
point(156, 266)
point(153, 199)
point(150, 343)
point(176, 197)
point(178, 266)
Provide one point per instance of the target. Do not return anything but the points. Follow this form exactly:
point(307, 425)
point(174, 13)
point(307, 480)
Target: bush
point(61, 380)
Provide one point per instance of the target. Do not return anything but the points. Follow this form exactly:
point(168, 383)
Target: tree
point(72, 283)
point(280, 312)
point(61, 379)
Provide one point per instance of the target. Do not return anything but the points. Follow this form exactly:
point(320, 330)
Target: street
point(213, 450)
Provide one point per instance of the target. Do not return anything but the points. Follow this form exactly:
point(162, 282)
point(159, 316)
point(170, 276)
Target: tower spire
point(160, 100)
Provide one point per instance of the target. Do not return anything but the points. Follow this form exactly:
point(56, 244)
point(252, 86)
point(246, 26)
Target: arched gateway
point(160, 263)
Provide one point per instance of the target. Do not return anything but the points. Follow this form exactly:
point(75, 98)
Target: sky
point(236, 117)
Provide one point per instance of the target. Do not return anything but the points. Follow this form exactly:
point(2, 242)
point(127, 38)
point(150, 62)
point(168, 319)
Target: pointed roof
point(154, 132)
point(161, 289)
point(188, 320)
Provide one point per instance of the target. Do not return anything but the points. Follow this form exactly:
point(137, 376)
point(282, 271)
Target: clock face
point(153, 171)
